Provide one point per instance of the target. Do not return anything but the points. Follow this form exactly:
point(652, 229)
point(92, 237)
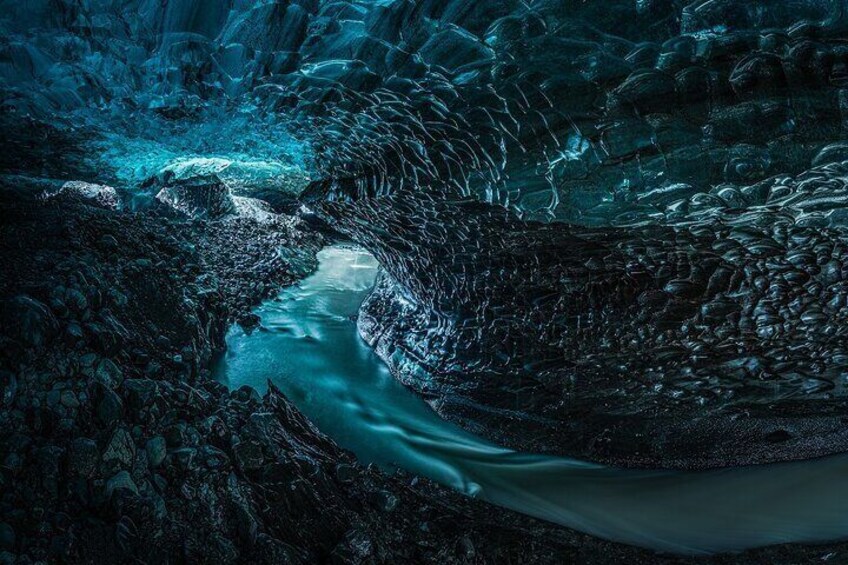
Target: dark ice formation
point(576, 333)
point(608, 228)
point(688, 159)
point(616, 112)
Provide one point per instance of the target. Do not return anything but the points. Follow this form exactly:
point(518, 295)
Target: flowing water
point(309, 347)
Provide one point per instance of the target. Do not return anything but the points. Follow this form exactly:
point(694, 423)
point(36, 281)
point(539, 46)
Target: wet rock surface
point(116, 446)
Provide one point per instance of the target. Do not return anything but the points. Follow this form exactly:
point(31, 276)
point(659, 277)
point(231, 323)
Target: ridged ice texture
point(309, 350)
point(617, 112)
point(695, 149)
point(540, 328)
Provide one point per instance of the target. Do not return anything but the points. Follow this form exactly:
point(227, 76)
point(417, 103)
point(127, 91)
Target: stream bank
point(116, 446)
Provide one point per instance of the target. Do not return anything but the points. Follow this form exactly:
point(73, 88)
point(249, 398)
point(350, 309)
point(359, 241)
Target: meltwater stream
point(309, 347)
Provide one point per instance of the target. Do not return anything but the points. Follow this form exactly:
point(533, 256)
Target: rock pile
point(116, 446)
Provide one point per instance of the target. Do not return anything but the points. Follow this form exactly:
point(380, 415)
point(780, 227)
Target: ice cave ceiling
point(684, 158)
point(617, 112)
point(610, 229)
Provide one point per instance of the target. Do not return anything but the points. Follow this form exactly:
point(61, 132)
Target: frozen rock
point(156, 451)
point(83, 457)
point(120, 449)
point(198, 197)
point(121, 481)
point(103, 195)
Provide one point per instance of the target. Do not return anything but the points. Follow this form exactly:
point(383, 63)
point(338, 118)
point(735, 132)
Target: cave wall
point(593, 112)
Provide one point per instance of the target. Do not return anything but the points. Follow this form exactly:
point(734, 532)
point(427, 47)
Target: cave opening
point(595, 253)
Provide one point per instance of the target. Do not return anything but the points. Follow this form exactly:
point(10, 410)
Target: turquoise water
point(309, 347)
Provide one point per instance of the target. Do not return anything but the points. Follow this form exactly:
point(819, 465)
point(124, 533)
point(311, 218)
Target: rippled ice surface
point(309, 347)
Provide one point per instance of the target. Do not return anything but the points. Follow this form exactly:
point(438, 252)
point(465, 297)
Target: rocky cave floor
point(117, 446)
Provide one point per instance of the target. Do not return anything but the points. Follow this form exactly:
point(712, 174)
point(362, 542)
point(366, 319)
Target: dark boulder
point(32, 322)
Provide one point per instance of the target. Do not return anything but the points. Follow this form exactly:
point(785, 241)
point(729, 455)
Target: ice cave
point(424, 281)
